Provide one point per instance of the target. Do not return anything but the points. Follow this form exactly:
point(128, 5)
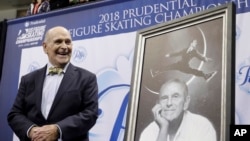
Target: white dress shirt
point(50, 88)
point(193, 128)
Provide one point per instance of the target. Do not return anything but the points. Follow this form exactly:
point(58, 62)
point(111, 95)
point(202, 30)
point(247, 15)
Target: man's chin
point(168, 117)
point(62, 63)
point(63, 59)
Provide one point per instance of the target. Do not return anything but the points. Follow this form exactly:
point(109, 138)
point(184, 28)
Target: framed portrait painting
point(182, 82)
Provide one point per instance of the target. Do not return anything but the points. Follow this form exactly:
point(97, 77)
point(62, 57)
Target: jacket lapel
point(39, 80)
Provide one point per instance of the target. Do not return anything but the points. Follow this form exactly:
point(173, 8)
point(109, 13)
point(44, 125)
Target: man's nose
point(169, 102)
point(64, 45)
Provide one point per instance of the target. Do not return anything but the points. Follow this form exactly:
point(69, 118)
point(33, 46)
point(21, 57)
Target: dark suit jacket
point(75, 107)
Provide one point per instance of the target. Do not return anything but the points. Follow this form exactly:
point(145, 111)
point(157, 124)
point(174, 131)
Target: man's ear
point(45, 48)
point(186, 103)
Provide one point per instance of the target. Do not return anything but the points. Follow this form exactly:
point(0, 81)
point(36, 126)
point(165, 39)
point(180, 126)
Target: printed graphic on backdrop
point(242, 70)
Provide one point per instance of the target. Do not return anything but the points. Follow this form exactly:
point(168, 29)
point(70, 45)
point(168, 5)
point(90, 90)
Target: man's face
point(58, 47)
point(173, 100)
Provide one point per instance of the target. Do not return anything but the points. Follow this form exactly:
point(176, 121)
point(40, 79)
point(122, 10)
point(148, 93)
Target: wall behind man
point(7, 14)
point(12, 13)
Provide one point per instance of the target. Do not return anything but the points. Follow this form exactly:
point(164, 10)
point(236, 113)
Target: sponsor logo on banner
point(31, 34)
point(79, 54)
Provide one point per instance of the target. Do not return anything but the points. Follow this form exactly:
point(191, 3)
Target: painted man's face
point(173, 100)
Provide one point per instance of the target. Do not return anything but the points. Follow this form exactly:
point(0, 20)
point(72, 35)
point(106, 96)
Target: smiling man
point(58, 101)
point(173, 121)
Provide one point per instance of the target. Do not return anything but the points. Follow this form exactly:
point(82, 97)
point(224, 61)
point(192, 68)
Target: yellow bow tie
point(55, 70)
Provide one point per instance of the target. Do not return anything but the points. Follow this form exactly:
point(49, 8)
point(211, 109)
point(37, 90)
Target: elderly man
point(173, 121)
point(58, 101)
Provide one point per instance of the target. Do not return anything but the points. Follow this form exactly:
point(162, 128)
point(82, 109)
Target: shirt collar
point(50, 65)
